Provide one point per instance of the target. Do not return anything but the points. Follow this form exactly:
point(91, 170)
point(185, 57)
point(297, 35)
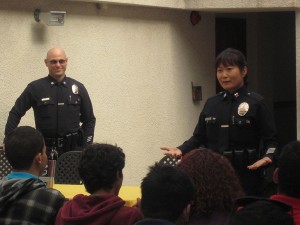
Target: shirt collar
point(53, 82)
point(235, 94)
point(20, 175)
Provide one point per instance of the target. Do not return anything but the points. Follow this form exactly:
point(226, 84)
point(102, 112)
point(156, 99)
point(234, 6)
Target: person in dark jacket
point(236, 123)
point(260, 211)
point(287, 176)
point(24, 198)
point(60, 105)
point(100, 169)
point(167, 193)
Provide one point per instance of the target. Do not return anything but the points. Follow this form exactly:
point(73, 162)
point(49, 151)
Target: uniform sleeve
point(198, 138)
point(22, 105)
point(87, 117)
point(268, 131)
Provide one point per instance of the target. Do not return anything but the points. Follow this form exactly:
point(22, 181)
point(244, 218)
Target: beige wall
point(137, 64)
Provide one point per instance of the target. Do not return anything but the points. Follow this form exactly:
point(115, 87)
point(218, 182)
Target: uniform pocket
point(44, 107)
point(74, 103)
point(211, 129)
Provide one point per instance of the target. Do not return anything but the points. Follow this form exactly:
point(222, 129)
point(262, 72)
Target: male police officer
point(60, 104)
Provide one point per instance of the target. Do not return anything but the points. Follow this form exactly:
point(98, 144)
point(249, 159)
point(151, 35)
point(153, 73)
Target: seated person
point(167, 193)
point(24, 198)
point(100, 169)
point(261, 212)
point(216, 186)
point(287, 176)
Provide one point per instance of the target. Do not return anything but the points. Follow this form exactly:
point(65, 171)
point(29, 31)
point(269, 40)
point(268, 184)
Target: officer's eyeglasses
point(61, 61)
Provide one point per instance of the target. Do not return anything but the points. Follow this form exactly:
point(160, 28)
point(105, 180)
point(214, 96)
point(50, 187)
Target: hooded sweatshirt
point(106, 209)
point(28, 201)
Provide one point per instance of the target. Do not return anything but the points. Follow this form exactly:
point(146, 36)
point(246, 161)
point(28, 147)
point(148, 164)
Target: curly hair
point(99, 165)
point(216, 183)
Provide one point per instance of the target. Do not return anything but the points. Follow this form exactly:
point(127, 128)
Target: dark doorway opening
point(230, 33)
point(274, 56)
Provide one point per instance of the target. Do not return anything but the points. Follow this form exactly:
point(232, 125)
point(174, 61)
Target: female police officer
point(236, 123)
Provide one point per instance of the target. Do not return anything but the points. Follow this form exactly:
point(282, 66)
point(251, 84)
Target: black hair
point(99, 165)
point(232, 57)
point(22, 145)
point(289, 169)
point(166, 191)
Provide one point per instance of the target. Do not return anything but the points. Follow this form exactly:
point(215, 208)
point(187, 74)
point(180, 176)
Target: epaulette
point(255, 96)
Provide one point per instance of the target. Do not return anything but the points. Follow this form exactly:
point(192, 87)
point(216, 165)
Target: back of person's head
point(289, 170)
point(216, 183)
point(166, 192)
point(231, 57)
point(22, 145)
point(99, 166)
point(261, 212)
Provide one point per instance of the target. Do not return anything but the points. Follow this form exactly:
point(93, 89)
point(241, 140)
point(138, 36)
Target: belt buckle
point(60, 142)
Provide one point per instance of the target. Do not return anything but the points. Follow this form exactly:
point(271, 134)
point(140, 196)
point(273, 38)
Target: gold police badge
point(75, 89)
point(243, 108)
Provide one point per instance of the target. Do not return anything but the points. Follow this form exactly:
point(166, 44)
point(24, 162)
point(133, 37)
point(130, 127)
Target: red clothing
point(95, 210)
point(294, 202)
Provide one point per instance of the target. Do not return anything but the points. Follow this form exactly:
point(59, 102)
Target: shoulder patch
point(255, 96)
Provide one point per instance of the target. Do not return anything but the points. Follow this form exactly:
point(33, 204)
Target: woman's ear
point(275, 176)
point(244, 71)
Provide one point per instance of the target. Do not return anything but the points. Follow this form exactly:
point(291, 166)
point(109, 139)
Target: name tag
point(45, 99)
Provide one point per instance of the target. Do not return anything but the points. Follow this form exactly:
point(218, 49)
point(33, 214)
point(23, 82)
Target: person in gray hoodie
point(24, 198)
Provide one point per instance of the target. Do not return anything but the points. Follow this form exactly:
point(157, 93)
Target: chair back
point(5, 167)
point(66, 171)
point(169, 161)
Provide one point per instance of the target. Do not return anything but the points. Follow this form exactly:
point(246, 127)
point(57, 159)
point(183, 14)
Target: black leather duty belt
point(54, 142)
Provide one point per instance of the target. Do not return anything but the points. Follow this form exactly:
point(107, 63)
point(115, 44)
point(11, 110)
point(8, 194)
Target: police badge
point(75, 89)
point(243, 108)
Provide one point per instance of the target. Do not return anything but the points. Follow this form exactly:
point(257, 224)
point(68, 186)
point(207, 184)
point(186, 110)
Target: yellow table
point(128, 193)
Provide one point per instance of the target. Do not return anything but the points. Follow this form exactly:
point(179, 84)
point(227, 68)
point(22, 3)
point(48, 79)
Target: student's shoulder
point(51, 193)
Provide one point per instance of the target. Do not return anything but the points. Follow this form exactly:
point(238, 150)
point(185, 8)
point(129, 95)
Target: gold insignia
point(75, 89)
point(243, 108)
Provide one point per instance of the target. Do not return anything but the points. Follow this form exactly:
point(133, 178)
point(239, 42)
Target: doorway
point(271, 50)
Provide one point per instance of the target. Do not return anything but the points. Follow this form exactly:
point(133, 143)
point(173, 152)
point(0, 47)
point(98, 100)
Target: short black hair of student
point(289, 169)
point(231, 56)
point(166, 191)
point(99, 165)
point(22, 145)
point(262, 212)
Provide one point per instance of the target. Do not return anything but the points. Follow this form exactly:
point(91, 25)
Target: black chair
point(66, 171)
point(5, 168)
point(169, 161)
